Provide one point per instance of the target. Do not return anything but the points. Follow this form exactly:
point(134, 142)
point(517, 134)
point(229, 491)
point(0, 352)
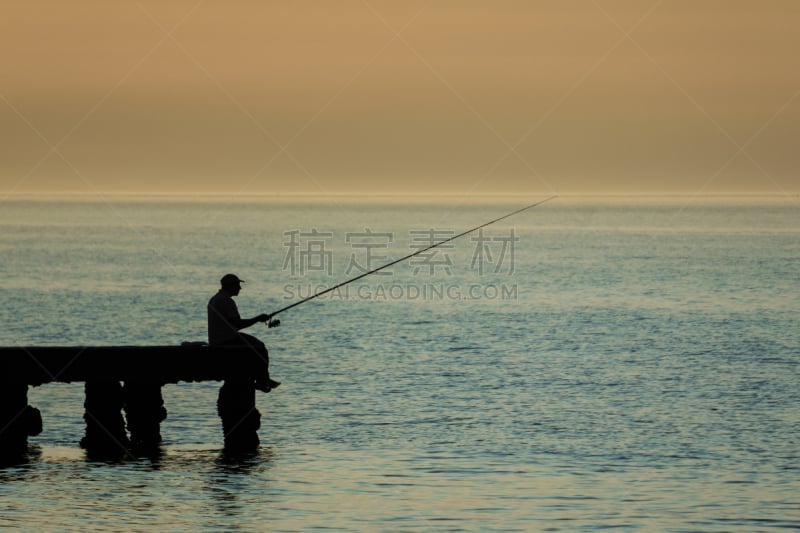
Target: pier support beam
point(105, 427)
point(18, 421)
point(144, 412)
point(241, 420)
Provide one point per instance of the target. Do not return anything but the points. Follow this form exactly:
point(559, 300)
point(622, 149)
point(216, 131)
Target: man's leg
point(264, 384)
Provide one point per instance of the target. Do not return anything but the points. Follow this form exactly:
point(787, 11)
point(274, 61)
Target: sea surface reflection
point(644, 378)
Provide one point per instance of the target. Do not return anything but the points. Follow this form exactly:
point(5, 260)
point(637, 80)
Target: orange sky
point(425, 97)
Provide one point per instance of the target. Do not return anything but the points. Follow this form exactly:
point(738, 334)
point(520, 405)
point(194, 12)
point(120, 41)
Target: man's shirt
point(221, 311)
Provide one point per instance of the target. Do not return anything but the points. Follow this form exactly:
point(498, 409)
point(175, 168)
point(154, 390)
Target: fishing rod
point(409, 256)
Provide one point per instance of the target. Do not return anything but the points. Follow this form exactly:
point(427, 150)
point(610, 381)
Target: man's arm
point(226, 309)
point(242, 323)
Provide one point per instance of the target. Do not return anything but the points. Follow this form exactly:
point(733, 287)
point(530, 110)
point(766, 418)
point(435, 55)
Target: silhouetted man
point(224, 324)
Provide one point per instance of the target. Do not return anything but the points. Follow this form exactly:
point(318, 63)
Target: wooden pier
point(127, 379)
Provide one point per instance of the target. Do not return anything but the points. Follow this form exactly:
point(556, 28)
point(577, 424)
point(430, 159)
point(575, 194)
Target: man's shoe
point(266, 385)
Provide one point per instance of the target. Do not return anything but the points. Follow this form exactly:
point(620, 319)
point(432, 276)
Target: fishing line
point(409, 256)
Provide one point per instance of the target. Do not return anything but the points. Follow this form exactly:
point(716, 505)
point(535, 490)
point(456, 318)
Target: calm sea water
point(577, 367)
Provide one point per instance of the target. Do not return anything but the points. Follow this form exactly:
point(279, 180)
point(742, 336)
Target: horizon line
point(100, 196)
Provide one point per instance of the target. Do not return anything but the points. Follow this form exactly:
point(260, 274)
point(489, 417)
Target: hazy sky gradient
point(339, 96)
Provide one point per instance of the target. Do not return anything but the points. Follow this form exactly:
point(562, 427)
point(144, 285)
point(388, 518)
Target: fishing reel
point(274, 323)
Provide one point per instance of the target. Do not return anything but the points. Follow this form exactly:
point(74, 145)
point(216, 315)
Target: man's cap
point(229, 280)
